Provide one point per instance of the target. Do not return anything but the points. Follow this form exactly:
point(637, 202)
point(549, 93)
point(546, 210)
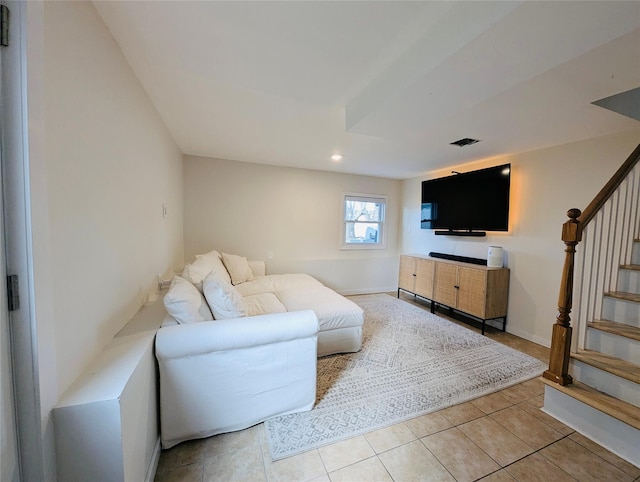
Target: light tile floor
point(500, 437)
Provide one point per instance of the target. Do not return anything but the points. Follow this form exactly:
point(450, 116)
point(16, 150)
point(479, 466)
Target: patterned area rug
point(411, 363)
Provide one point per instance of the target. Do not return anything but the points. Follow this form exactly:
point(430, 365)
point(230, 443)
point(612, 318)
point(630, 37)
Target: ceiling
point(388, 85)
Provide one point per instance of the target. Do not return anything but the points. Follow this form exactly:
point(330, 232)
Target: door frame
point(19, 249)
point(10, 461)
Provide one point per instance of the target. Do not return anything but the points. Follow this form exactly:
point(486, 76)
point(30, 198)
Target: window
point(363, 219)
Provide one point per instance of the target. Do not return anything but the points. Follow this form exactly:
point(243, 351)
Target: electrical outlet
point(269, 254)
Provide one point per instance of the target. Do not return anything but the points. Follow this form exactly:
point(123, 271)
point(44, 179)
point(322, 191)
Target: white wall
point(102, 164)
point(544, 185)
point(253, 209)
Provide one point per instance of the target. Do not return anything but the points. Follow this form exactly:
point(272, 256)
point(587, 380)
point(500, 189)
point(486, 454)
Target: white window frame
point(377, 198)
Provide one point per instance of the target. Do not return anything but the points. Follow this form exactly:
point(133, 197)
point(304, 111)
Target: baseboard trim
point(153, 463)
point(368, 291)
point(528, 336)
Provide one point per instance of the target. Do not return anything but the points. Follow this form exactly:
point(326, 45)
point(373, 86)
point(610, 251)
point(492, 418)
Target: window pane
point(358, 232)
point(363, 210)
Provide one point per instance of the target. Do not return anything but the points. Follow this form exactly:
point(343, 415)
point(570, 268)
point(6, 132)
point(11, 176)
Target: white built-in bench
point(106, 423)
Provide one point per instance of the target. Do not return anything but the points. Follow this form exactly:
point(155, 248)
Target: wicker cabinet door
point(472, 291)
point(407, 274)
point(425, 269)
point(444, 288)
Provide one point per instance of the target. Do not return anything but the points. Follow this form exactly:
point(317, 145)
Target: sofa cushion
point(238, 268)
point(185, 303)
point(264, 303)
point(333, 310)
point(277, 282)
point(224, 300)
point(202, 266)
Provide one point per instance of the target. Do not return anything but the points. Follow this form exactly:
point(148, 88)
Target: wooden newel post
point(561, 338)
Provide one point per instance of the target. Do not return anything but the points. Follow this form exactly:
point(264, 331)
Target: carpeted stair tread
point(613, 327)
point(610, 364)
point(623, 411)
point(623, 295)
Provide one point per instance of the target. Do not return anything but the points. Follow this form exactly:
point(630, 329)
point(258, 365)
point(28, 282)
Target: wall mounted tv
point(467, 204)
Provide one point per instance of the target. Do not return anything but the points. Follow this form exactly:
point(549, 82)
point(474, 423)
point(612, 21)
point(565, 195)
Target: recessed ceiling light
point(336, 157)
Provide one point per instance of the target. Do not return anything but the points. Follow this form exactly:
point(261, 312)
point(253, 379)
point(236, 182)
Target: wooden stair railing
point(560, 352)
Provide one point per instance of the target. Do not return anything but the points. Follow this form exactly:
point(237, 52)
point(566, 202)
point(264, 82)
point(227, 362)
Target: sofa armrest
point(194, 339)
point(258, 267)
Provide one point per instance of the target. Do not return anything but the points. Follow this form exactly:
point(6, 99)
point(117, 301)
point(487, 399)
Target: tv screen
point(471, 201)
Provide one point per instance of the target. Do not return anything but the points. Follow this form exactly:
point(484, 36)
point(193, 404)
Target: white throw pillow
point(224, 300)
point(202, 266)
point(238, 268)
point(185, 303)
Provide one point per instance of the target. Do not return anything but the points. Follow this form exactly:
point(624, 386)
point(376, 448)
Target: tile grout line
point(456, 426)
point(587, 448)
point(535, 452)
point(442, 463)
point(488, 455)
point(324, 465)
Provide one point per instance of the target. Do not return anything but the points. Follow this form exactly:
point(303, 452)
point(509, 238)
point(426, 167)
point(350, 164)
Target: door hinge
point(13, 292)
point(4, 26)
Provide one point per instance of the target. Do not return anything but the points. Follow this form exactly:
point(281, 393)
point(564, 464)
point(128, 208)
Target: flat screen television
point(468, 203)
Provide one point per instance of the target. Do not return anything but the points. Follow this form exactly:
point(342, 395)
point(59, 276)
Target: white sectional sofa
point(239, 346)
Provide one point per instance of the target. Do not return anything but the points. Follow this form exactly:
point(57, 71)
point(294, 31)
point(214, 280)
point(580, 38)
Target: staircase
point(593, 382)
point(603, 402)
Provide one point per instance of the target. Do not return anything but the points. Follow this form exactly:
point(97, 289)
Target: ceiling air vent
point(464, 142)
